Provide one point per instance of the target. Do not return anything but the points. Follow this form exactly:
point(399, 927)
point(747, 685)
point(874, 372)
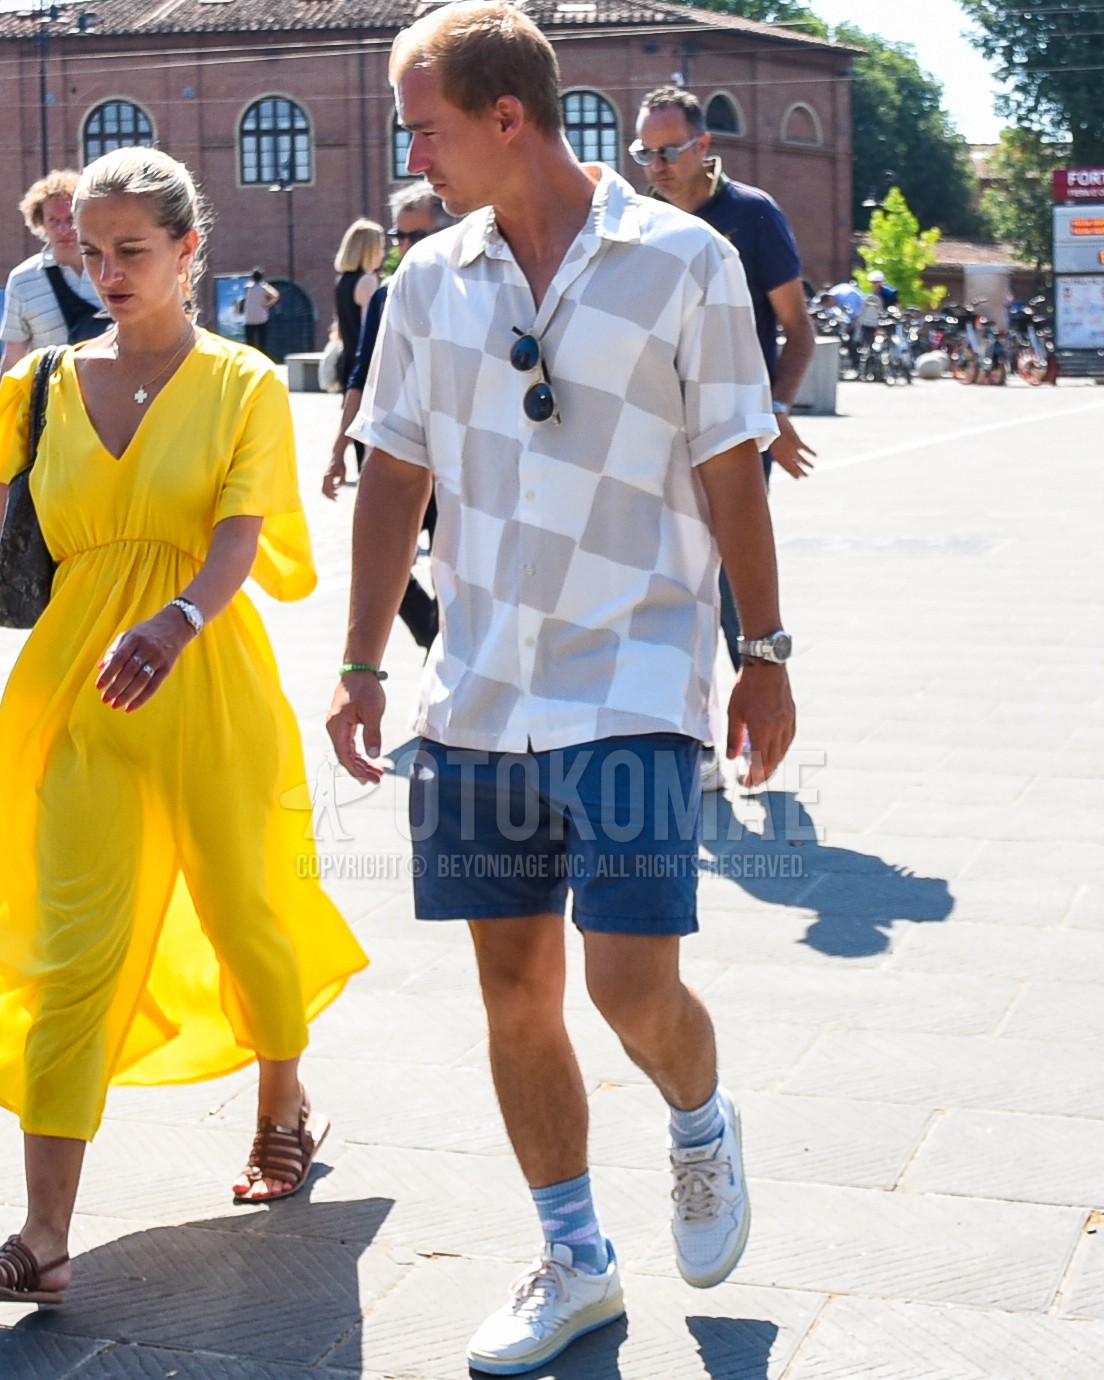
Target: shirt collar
point(614, 215)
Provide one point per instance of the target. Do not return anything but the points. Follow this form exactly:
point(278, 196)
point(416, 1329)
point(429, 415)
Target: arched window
point(800, 125)
point(722, 115)
point(591, 124)
point(115, 125)
point(400, 147)
point(275, 142)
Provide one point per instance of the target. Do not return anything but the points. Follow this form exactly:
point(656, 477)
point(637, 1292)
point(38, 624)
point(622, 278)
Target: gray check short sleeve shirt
point(574, 563)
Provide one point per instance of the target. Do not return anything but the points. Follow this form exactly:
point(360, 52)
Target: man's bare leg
point(663, 1026)
point(536, 1075)
point(666, 1031)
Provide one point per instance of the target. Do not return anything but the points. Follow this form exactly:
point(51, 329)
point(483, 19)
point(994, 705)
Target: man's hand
point(358, 702)
point(762, 706)
point(790, 451)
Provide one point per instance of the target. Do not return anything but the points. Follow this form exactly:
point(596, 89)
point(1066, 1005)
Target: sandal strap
point(19, 1270)
point(279, 1152)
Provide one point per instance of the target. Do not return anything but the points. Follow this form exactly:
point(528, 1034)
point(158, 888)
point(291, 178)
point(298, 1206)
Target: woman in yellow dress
point(157, 924)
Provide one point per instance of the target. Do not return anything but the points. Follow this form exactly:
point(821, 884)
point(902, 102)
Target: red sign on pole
point(1078, 184)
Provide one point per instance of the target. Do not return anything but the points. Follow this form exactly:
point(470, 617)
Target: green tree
point(1053, 56)
point(900, 134)
point(895, 244)
point(1018, 207)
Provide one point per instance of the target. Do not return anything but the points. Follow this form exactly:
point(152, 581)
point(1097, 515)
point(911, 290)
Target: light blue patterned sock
point(698, 1126)
point(567, 1218)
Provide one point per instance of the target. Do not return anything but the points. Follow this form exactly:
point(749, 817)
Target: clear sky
point(936, 29)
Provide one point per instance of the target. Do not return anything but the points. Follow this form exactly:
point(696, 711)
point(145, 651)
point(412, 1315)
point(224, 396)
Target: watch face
point(781, 645)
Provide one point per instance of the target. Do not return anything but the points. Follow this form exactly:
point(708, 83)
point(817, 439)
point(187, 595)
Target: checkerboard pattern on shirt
point(31, 312)
point(574, 562)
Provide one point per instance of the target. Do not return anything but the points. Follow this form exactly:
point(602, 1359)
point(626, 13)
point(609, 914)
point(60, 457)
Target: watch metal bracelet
point(191, 612)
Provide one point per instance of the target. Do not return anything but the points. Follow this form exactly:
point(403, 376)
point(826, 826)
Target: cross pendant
point(140, 395)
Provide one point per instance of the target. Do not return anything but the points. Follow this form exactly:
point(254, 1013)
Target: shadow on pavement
point(858, 897)
point(734, 1348)
point(277, 1285)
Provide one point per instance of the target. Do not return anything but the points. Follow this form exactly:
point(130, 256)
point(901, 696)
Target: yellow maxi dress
point(158, 921)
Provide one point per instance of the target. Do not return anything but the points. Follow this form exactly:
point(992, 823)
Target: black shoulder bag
point(83, 320)
point(26, 566)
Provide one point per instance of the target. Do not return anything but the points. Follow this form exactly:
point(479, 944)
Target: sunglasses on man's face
point(408, 236)
point(667, 154)
point(539, 404)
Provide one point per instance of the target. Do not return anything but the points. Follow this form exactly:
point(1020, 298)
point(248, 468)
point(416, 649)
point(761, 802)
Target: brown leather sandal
point(284, 1153)
point(21, 1274)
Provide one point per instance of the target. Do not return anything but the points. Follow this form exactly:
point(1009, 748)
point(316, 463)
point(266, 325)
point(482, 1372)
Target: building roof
point(123, 17)
point(955, 253)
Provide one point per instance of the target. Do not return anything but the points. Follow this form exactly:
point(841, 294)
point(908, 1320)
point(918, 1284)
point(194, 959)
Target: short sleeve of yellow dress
point(159, 917)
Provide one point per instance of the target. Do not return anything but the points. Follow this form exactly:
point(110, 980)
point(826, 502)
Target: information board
point(1079, 239)
point(1079, 312)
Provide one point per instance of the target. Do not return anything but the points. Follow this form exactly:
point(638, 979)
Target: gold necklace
point(141, 393)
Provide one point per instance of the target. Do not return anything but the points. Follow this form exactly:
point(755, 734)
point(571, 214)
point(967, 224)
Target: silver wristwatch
point(775, 648)
point(190, 611)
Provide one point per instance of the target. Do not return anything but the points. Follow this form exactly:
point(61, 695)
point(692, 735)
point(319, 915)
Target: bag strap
point(74, 308)
point(44, 370)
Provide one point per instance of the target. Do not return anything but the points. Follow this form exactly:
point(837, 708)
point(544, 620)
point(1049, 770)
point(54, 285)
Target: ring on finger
point(137, 658)
point(148, 670)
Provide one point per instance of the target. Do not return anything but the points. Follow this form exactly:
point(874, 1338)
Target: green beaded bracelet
point(351, 666)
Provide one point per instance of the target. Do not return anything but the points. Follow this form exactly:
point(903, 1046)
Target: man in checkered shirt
point(574, 371)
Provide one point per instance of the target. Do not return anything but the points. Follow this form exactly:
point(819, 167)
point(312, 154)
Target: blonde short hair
point(58, 182)
point(179, 205)
point(361, 247)
point(481, 50)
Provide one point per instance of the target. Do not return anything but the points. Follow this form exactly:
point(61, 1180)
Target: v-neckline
point(147, 408)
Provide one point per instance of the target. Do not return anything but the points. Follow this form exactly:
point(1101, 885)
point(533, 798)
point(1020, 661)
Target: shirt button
point(529, 569)
point(530, 495)
point(530, 641)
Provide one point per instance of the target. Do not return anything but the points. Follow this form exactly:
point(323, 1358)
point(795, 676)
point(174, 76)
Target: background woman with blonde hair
point(154, 924)
point(357, 263)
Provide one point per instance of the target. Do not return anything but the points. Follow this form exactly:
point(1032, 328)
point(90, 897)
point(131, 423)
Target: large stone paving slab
point(1049, 1077)
point(863, 1339)
point(1029, 1159)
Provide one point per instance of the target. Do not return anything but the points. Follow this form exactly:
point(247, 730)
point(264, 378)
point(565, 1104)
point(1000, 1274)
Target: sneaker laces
point(531, 1290)
point(695, 1190)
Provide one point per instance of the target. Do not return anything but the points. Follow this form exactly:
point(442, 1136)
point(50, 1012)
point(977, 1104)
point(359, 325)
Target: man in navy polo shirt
point(673, 145)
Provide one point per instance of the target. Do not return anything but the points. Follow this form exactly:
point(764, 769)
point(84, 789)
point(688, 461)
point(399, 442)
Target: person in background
point(673, 146)
point(257, 302)
point(416, 213)
point(49, 298)
point(847, 296)
point(357, 264)
point(886, 291)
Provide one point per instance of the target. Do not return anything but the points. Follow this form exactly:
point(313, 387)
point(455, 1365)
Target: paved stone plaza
point(902, 945)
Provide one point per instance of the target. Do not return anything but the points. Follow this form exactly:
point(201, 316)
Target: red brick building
point(255, 93)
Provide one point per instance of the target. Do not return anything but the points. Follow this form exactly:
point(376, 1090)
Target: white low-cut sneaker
point(550, 1305)
point(712, 1213)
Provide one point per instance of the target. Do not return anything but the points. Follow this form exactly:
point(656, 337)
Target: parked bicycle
point(1030, 345)
point(979, 357)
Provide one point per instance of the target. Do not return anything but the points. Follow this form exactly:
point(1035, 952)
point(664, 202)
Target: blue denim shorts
point(616, 822)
